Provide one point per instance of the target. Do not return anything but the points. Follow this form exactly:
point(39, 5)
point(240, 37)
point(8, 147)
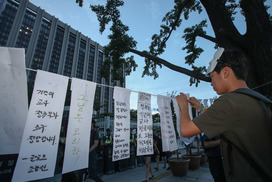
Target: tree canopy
point(256, 43)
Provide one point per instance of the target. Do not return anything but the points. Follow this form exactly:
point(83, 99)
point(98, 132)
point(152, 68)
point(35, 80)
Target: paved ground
point(138, 174)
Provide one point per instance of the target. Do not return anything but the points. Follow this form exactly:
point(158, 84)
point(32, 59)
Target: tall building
point(2, 5)
point(54, 46)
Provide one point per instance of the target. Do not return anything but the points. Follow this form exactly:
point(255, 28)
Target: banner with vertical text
point(169, 141)
point(121, 137)
point(144, 125)
point(39, 146)
point(77, 142)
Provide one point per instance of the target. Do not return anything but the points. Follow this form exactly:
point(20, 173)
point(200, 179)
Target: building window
point(99, 66)
point(81, 59)
point(55, 57)
point(26, 29)
point(38, 59)
point(106, 98)
point(91, 63)
point(69, 55)
point(6, 20)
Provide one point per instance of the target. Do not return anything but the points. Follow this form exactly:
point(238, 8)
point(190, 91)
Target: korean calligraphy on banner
point(79, 125)
point(13, 97)
point(178, 114)
point(144, 125)
point(169, 141)
point(38, 151)
point(121, 124)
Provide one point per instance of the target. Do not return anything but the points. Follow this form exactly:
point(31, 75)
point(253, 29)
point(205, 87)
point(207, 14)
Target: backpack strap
point(265, 176)
point(253, 94)
point(229, 149)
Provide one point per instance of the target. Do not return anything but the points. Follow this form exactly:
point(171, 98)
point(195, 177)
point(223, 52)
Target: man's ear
point(226, 72)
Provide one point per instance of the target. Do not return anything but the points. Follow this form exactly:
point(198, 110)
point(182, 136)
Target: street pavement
point(162, 175)
point(137, 174)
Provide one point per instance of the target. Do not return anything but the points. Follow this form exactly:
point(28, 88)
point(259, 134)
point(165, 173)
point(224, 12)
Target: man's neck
point(238, 84)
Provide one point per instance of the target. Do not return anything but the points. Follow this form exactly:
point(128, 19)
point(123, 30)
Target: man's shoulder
point(231, 97)
point(94, 133)
point(224, 100)
point(244, 96)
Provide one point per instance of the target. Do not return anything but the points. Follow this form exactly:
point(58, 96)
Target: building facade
point(54, 46)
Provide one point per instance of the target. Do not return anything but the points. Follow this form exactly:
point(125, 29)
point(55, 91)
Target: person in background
point(148, 169)
point(168, 154)
point(213, 152)
point(107, 141)
point(156, 152)
point(93, 154)
point(132, 140)
point(133, 144)
point(159, 145)
point(99, 146)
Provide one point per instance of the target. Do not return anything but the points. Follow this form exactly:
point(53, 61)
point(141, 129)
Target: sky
point(144, 18)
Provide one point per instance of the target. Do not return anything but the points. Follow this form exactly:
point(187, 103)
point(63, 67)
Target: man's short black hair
point(234, 59)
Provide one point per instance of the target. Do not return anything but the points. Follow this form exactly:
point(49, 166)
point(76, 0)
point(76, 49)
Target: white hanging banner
point(13, 99)
point(38, 151)
point(211, 101)
point(144, 125)
point(178, 114)
point(121, 124)
point(205, 102)
point(77, 143)
point(169, 141)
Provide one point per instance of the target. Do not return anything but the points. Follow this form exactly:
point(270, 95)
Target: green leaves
point(79, 2)
point(150, 68)
point(120, 42)
point(190, 35)
point(197, 70)
point(107, 13)
point(172, 21)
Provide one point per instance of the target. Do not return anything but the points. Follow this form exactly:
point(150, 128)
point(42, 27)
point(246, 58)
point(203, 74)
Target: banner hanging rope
point(99, 84)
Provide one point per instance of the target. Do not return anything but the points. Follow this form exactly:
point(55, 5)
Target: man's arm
point(187, 126)
point(94, 145)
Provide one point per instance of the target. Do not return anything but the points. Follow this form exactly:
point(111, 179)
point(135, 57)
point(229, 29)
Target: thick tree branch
point(210, 38)
point(257, 18)
point(175, 23)
point(225, 31)
point(179, 69)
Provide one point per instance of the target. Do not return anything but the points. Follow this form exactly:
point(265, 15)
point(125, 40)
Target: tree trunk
point(256, 43)
point(259, 41)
